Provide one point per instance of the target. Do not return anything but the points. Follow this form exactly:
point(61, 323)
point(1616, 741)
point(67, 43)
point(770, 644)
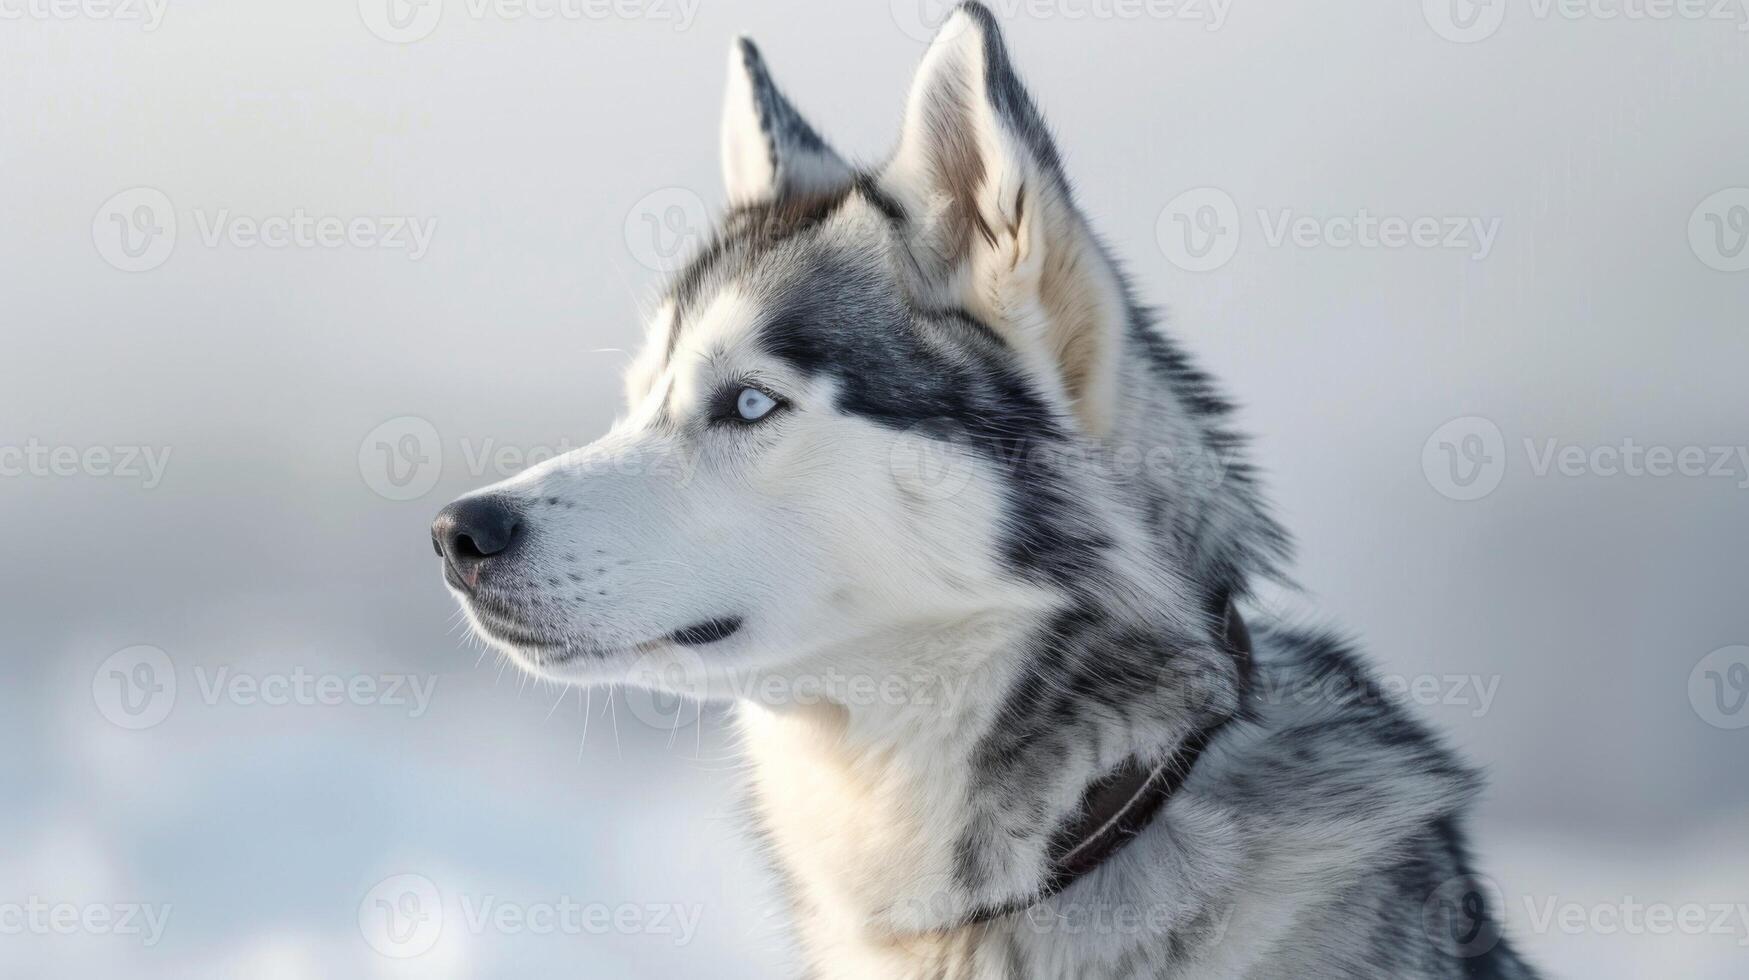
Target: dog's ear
point(997, 230)
point(769, 150)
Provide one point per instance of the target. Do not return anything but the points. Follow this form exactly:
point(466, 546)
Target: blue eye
point(752, 404)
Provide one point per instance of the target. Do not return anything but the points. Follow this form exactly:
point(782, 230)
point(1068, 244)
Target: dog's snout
point(473, 529)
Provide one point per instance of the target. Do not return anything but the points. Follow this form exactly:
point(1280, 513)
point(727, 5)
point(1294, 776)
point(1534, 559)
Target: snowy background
point(234, 692)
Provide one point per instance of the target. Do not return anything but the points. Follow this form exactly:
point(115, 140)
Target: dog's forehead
point(723, 330)
point(820, 267)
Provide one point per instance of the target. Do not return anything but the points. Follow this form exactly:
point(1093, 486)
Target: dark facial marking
point(947, 377)
point(707, 633)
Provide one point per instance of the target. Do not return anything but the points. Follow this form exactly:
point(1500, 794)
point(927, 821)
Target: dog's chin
point(588, 660)
point(568, 663)
point(540, 650)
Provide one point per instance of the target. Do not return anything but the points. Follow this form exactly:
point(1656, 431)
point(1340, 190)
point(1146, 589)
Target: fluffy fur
point(986, 530)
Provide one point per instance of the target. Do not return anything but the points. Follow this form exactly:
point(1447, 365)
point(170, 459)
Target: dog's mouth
point(549, 649)
point(510, 631)
point(705, 633)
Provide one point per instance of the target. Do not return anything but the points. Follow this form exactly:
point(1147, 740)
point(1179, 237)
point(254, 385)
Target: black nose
point(473, 529)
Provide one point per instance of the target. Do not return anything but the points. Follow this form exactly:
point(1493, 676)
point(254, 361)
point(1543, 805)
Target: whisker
point(614, 712)
point(555, 706)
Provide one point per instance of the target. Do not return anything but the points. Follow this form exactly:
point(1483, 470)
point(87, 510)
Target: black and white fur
point(1047, 613)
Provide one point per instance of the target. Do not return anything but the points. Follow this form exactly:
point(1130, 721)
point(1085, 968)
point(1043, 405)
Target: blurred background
point(278, 279)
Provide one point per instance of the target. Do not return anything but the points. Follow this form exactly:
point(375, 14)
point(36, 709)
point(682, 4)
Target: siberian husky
point(908, 473)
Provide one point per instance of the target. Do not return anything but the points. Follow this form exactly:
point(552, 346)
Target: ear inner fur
point(1001, 227)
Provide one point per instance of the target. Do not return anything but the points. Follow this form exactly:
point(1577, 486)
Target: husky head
point(881, 405)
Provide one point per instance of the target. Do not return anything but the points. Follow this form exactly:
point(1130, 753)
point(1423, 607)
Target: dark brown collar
point(1122, 803)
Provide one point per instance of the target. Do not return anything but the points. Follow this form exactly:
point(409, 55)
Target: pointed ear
point(997, 228)
point(769, 150)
